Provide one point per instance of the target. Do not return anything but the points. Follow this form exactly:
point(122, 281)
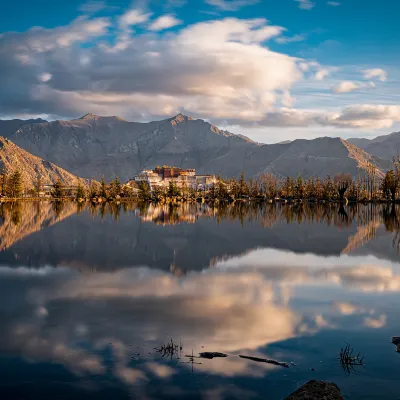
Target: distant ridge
point(93, 145)
point(385, 146)
point(8, 127)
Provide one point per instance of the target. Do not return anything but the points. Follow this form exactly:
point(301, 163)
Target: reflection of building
point(162, 176)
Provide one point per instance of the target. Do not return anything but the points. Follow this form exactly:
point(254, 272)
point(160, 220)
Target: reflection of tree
point(58, 207)
point(391, 220)
point(16, 216)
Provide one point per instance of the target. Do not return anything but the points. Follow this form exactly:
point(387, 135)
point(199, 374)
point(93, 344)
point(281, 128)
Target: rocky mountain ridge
point(92, 146)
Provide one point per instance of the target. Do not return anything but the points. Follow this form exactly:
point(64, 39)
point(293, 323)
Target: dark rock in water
point(211, 355)
point(396, 341)
point(317, 390)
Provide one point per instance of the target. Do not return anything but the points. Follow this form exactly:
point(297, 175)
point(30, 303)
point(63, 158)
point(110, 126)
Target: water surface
point(88, 293)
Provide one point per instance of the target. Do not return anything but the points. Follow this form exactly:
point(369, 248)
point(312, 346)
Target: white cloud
point(287, 100)
point(346, 87)
point(133, 17)
point(350, 86)
point(375, 73)
point(231, 5)
point(333, 3)
point(38, 40)
point(221, 70)
point(164, 22)
point(306, 4)
point(93, 6)
point(324, 72)
point(364, 116)
point(292, 39)
point(218, 69)
point(45, 77)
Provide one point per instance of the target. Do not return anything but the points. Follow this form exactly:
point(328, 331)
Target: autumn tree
point(145, 193)
point(93, 189)
point(15, 186)
point(309, 188)
point(38, 185)
point(221, 188)
point(269, 185)
point(172, 189)
point(3, 181)
point(329, 189)
point(103, 188)
point(117, 186)
point(319, 189)
point(58, 190)
point(80, 192)
point(243, 190)
point(299, 188)
point(288, 187)
point(390, 184)
point(252, 188)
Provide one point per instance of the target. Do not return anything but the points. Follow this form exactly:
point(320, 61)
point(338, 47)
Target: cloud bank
point(222, 70)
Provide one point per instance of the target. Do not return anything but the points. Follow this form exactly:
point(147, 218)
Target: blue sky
point(271, 69)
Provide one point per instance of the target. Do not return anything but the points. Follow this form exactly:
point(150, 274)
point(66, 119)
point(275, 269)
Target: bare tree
point(342, 183)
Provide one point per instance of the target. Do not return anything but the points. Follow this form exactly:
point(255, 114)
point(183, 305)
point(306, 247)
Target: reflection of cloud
point(130, 375)
point(376, 323)
point(26, 341)
point(367, 274)
point(346, 308)
point(241, 305)
point(160, 370)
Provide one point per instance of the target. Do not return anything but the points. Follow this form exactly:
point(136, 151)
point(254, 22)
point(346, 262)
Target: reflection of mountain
point(18, 220)
point(185, 238)
point(87, 242)
point(364, 235)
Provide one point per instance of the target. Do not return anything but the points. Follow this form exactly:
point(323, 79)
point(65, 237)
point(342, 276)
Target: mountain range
point(92, 146)
point(385, 146)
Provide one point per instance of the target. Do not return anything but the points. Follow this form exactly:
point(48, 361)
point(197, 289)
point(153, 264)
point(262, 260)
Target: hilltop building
point(162, 176)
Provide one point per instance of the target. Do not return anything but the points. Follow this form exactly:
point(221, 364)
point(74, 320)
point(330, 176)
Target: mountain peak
point(181, 118)
point(94, 117)
point(90, 116)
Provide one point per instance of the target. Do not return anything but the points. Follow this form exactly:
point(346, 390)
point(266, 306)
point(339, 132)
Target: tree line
point(342, 187)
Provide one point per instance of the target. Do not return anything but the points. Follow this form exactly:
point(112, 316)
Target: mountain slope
point(13, 157)
point(385, 146)
point(317, 157)
point(93, 146)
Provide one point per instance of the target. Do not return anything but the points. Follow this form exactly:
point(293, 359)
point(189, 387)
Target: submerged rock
point(317, 390)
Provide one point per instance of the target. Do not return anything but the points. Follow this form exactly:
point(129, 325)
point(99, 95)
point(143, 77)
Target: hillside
point(13, 157)
point(93, 146)
point(385, 146)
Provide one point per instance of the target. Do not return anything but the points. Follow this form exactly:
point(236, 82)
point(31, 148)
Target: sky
point(273, 70)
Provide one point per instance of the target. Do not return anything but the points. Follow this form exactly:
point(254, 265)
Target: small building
point(162, 176)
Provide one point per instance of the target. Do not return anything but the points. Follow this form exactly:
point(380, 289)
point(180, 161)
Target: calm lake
point(90, 295)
